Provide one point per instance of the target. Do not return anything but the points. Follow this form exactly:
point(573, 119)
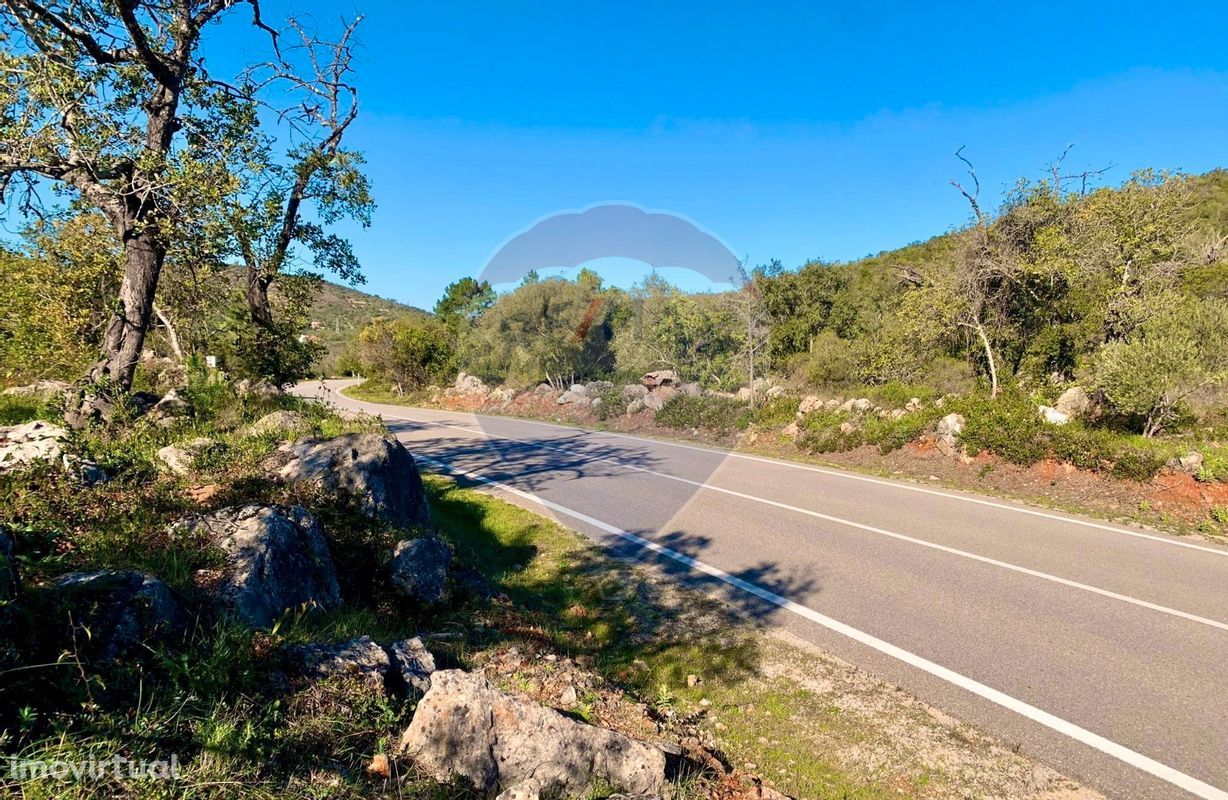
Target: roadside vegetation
point(538, 608)
point(1082, 328)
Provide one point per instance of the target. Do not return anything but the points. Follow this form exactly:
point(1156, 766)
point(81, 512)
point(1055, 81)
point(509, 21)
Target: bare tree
point(95, 94)
point(749, 306)
point(318, 173)
point(978, 270)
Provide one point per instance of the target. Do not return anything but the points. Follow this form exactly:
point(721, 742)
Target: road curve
point(1099, 649)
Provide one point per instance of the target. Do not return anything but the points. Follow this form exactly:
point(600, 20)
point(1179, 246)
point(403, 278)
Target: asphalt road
point(1099, 649)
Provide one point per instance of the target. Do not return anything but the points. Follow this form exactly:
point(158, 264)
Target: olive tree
point(95, 97)
point(1178, 349)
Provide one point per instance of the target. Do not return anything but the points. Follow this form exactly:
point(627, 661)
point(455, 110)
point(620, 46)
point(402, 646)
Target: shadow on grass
point(642, 629)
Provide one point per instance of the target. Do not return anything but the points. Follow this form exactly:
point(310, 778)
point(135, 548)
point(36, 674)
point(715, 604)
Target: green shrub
point(716, 413)
point(896, 394)
point(1086, 449)
point(831, 362)
point(1137, 464)
point(776, 412)
point(821, 433)
point(1007, 426)
point(613, 403)
point(892, 434)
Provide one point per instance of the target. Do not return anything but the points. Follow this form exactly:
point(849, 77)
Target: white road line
point(909, 487)
point(862, 527)
point(1069, 729)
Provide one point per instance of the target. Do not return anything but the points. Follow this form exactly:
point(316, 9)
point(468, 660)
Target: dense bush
point(613, 403)
point(1007, 425)
point(831, 362)
point(713, 412)
point(407, 352)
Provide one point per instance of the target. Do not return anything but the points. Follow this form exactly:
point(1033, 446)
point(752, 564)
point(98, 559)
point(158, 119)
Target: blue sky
point(790, 130)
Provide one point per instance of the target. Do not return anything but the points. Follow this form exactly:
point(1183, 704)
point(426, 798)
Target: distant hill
point(340, 312)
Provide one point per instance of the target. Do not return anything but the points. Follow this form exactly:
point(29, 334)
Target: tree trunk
point(171, 335)
point(258, 297)
point(121, 348)
point(993, 366)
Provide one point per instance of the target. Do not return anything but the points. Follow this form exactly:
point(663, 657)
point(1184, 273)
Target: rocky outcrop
point(30, 442)
point(359, 658)
point(378, 472)
point(172, 409)
point(657, 398)
point(39, 390)
point(178, 458)
point(809, 403)
point(277, 422)
point(578, 393)
point(469, 384)
point(1190, 463)
point(1052, 416)
point(420, 569)
point(465, 727)
point(947, 432)
point(402, 667)
point(1074, 402)
point(256, 389)
point(661, 377)
point(120, 609)
point(276, 559)
point(414, 664)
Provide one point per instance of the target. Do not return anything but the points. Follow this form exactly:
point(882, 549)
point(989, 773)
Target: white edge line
point(1069, 729)
point(835, 473)
point(859, 526)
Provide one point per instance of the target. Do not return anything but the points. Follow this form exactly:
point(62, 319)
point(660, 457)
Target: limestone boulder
point(420, 569)
point(466, 728)
point(378, 472)
point(276, 560)
point(120, 609)
point(30, 442)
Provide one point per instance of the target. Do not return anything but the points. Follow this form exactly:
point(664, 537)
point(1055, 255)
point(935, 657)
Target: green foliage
point(15, 409)
point(613, 403)
point(776, 412)
point(1008, 426)
point(463, 301)
point(1177, 350)
point(699, 336)
point(546, 330)
point(408, 352)
point(712, 412)
point(825, 432)
point(278, 352)
point(1137, 464)
point(831, 363)
point(55, 299)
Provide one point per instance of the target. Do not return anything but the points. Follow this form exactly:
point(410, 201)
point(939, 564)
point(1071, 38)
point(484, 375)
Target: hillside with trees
point(1086, 326)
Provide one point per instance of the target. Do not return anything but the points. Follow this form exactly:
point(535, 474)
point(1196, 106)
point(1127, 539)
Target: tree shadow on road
point(641, 619)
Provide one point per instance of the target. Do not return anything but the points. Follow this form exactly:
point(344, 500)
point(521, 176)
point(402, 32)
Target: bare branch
point(972, 197)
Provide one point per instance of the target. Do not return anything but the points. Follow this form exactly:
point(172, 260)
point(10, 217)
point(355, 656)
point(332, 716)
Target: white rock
point(1052, 415)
